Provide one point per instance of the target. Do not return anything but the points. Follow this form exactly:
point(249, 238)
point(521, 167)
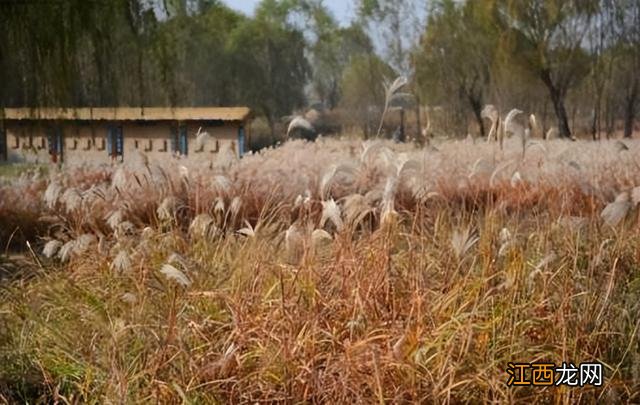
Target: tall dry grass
point(327, 271)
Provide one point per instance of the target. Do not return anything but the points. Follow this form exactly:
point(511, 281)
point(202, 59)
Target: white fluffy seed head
point(114, 218)
point(462, 241)
point(166, 209)
point(175, 275)
point(119, 179)
point(65, 251)
point(234, 207)
point(331, 212)
point(52, 193)
point(616, 211)
point(72, 199)
point(219, 206)
point(200, 226)
point(122, 262)
point(51, 247)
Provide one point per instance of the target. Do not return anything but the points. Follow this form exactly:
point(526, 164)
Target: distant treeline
point(573, 62)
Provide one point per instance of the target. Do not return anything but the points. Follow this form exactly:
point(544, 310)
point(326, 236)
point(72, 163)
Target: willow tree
point(67, 52)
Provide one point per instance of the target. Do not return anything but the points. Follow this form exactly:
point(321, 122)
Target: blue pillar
point(240, 141)
point(110, 146)
point(182, 140)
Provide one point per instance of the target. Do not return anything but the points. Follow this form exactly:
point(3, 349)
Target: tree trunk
point(594, 123)
point(418, 135)
point(557, 98)
point(629, 111)
point(402, 135)
point(270, 122)
point(544, 119)
point(476, 106)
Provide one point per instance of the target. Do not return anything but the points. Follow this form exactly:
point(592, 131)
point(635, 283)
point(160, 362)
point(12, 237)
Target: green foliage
point(127, 53)
point(269, 65)
point(576, 59)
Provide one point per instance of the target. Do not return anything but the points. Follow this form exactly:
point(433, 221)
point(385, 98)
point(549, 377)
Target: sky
point(342, 9)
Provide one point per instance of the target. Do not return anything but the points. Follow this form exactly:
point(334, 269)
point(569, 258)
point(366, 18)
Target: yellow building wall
point(219, 138)
point(26, 143)
point(85, 142)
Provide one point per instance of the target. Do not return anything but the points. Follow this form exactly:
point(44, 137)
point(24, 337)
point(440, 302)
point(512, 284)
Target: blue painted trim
point(240, 141)
point(110, 130)
point(182, 141)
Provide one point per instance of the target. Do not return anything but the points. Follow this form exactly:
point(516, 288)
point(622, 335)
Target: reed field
point(328, 272)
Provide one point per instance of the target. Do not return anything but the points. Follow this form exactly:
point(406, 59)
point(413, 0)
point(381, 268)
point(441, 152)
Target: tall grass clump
point(328, 271)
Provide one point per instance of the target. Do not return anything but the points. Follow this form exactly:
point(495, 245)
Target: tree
point(627, 34)
point(397, 25)
point(270, 67)
point(330, 49)
point(363, 90)
point(546, 37)
point(456, 56)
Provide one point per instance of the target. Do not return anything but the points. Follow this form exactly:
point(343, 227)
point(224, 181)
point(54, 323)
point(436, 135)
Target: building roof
point(129, 113)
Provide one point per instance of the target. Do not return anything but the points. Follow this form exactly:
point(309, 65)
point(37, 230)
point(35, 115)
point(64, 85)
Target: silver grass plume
point(167, 208)
point(175, 275)
point(248, 230)
point(219, 206)
point(52, 193)
point(616, 211)
point(201, 139)
point(294, 243)
point(462, 242)
point(299, 122)
point(114, 218)
point(119, 179)
point(356, 208)
point(234, 207)
point(331, 212)
point(51, 247)
point(201, 226)
point(122, 262)
point(390, 90)
point(491, 113)
point(71, 199)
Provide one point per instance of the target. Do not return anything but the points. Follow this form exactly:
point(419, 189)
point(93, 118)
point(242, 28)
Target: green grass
point(12, 170)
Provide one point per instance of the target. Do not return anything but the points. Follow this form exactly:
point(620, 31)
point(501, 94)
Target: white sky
point(342, 9)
